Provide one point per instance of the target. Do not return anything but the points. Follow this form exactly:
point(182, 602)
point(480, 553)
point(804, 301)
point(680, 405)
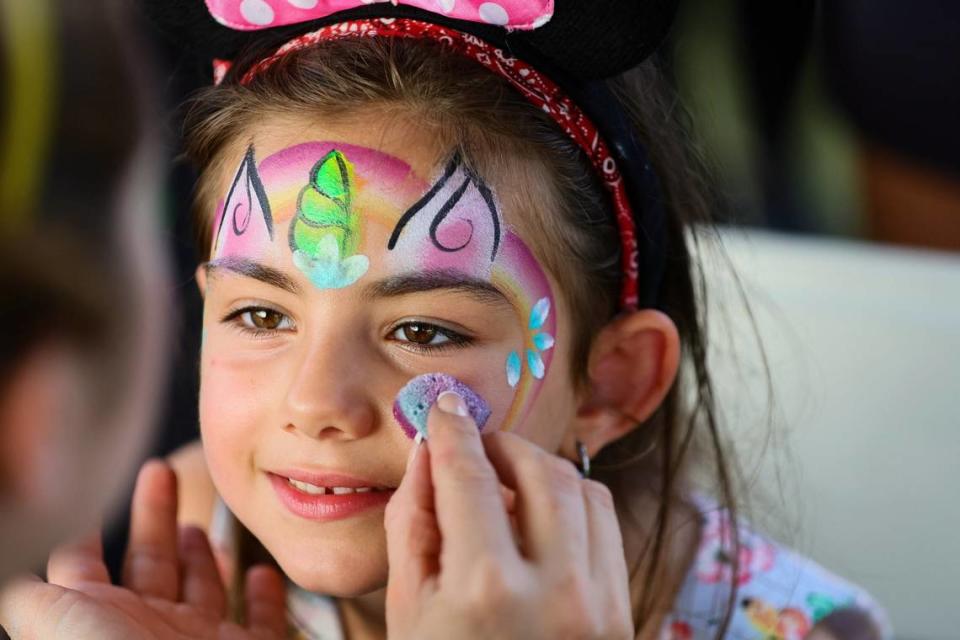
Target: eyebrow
point(255, 270)
point(433, 280)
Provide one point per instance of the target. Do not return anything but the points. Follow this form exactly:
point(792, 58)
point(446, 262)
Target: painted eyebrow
point(255, 270)
point(433, 280)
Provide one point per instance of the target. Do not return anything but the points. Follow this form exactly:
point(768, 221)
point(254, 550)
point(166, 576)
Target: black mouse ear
point(591, 40)
point(583, 40)
point(189, 24)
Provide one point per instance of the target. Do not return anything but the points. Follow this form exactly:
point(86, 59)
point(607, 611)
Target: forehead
point(379, 182)
point(395, 140)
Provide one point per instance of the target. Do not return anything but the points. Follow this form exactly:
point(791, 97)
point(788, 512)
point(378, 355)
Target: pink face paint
point(455, 225)
point(245, 222)
point(413, 402)
point(294, 185)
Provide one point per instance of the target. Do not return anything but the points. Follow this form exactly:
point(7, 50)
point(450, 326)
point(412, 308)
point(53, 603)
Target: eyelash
point(455, 340)
point(235, 318)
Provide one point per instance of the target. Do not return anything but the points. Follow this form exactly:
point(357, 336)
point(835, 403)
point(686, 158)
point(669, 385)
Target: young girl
point(399, 213)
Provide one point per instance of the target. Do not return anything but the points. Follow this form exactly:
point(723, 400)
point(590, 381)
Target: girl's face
point(346, 261)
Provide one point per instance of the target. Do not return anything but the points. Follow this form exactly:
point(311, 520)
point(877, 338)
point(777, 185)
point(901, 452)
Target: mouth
point(327, 497)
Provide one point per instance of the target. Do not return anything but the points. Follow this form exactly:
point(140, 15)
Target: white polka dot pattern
point(251, 15)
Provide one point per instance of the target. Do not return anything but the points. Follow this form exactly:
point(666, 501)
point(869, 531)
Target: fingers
point(265, 602)
point(22, 602)
point(413, 537)
point(201, 584)
point(549, 499)
point(607, 562)
point(151, 565)
point(75, 563)
point(467, 499)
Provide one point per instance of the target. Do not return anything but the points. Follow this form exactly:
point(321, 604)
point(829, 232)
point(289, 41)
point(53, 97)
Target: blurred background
point(833, 129)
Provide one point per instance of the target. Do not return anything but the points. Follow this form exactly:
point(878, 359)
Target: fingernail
point(452, 402)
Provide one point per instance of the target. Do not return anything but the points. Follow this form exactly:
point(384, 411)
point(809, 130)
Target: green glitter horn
point(326, 231)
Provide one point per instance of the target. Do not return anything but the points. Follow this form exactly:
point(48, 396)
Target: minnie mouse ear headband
point(579, 44)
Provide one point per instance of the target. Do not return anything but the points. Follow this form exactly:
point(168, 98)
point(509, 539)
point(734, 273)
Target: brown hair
point(565, 214)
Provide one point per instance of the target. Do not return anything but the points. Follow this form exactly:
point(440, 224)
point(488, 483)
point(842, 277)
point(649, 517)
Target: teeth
point(306, 487)
point(313, 489)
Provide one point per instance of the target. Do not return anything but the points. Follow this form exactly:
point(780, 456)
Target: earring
point(584, 459)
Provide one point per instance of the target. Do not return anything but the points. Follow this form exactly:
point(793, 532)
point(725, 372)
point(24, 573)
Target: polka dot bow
point(251, 15)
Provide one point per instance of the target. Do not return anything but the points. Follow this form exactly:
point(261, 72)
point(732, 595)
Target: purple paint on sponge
point(413, 402)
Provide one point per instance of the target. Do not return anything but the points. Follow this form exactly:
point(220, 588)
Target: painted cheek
point(518, 273)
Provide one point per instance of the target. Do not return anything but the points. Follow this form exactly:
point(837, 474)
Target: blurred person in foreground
point(84, 308)
point(82, 277)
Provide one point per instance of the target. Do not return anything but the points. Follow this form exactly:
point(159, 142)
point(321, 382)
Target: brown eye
point(263, 319)
point(418, 333)
point(427, 337)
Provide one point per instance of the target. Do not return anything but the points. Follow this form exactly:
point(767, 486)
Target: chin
point(341, 580)
point(336, 568)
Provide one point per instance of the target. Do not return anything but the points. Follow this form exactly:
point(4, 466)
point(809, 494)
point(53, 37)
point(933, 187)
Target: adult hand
point(460, 569)
point(171, 588)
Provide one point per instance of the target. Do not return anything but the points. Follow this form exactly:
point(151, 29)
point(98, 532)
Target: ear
point(201, 277)
point(35, 403)
point(632, 365)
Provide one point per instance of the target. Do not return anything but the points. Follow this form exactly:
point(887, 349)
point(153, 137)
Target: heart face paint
point(414, 401)
point(339, 202)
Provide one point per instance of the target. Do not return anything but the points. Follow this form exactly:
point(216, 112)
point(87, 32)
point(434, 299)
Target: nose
point(328, 395)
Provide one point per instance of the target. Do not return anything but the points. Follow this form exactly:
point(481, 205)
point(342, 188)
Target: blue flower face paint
point(540, 342)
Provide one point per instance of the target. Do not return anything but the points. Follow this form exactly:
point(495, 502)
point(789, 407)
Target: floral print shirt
point(780, 595)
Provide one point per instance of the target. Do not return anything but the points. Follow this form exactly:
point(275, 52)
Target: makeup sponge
point(415, 399)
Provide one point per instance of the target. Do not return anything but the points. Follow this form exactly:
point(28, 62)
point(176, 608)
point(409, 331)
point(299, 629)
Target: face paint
point(455, 225)
point(518, 274)
point(313, 185)
point(245, 223)
point(412, 405)
point(325, 233)
point(334, 194)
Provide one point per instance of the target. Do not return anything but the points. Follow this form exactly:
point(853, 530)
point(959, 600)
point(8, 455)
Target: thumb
point(413, 537)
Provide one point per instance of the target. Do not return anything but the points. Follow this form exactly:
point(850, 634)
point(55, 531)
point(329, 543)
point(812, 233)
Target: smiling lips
point(327, 497)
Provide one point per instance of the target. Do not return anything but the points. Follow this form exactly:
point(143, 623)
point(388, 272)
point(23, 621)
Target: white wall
point(861, 468)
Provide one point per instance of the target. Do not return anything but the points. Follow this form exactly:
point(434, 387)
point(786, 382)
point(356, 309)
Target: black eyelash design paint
point(455, 169)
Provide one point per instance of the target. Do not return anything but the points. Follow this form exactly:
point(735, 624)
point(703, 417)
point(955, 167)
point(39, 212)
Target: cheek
point(233, 403)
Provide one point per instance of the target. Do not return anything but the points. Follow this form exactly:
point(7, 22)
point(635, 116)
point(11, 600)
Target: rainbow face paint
point(413, 403)
point(343, 216)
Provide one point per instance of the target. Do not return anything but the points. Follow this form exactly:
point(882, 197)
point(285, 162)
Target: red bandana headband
point(534, 86)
